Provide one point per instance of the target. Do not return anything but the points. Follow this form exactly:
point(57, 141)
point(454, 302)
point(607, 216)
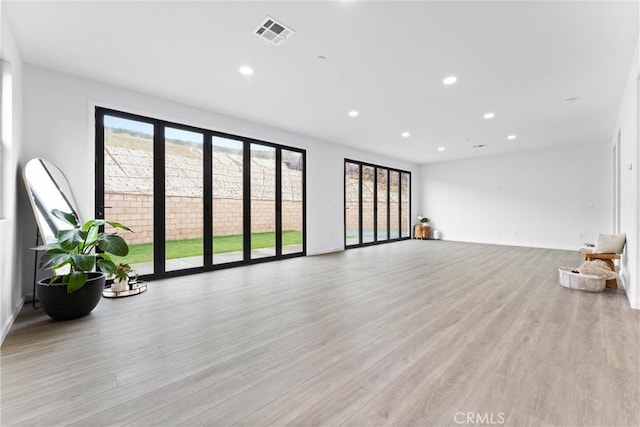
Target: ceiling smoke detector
point(273, 31)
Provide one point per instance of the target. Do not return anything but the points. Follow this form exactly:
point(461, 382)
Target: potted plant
point(122, 276)
point(76, 288)
point(423, 219)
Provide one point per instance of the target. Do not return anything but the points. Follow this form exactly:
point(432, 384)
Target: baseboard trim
point(6, 327)
point(625, 287)
point(325, 251)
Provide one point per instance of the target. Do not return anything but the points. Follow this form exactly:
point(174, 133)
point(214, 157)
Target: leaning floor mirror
point(48, 189)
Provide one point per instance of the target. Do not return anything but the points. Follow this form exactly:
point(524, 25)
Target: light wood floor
point(414, 333)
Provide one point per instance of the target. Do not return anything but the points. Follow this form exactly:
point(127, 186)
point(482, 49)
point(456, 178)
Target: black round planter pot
point(60, 305)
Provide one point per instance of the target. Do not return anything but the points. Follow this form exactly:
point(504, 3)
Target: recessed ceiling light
point(449, 80)
point(441, 148)
point(405, 134)
point(353, 113)
point(245, 70)
point(511, 137)
point(489, 115)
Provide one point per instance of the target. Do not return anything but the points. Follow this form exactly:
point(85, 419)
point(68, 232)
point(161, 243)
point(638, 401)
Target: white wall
point(628, 124)
point(11, 295)
point(553, 198)
point(59, 127)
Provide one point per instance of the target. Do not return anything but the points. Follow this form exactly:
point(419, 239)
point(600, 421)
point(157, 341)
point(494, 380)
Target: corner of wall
point(12, 296)
point(8, 322)
point(634, 296)
point(628, 123)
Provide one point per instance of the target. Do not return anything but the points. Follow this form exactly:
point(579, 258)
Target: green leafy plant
point(423, 219)
point(124, 271)
point(75, 249)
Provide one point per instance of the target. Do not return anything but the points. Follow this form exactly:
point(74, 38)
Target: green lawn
point(193, 247)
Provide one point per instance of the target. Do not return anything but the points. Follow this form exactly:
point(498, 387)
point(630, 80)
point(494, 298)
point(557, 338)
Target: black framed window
point(197, 199)
point(377, 204)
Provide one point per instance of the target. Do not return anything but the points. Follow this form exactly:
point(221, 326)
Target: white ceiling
point(384, 59)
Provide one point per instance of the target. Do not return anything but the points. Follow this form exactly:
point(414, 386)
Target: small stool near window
point(421, 232)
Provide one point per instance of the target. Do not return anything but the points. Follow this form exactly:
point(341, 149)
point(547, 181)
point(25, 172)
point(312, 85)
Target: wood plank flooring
point(414, 333)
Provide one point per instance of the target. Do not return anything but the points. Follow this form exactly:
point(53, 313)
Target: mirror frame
point(48, 189)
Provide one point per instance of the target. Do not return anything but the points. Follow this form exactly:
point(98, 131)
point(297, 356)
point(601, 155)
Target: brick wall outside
point(184, 216)
point(352, 191)
point(133, 210)
point(367, 215)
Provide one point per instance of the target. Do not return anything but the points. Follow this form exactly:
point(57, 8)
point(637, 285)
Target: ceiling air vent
point(273, 31)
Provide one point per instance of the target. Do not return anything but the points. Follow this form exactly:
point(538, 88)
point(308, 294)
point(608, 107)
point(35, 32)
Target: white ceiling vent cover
point(273, 31)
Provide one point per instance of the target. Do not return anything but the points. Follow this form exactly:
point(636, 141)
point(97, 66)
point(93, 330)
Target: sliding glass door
point(128, 185)
point(263, 201)
point(368, 204)
point(382, 200)
point(184, 199)
point(197, 199)
point(405, 205)
point(351, 203)
point(292, 196)
point(377, 204)
point(394, 197)
point(227, 200)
